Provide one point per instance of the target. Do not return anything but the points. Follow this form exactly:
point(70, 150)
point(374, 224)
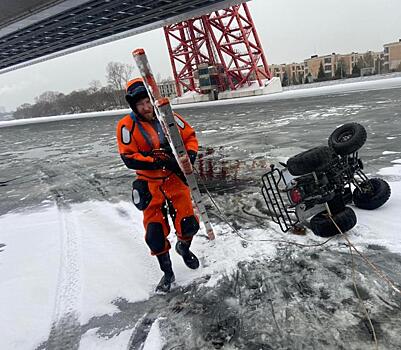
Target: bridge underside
point(35, 30)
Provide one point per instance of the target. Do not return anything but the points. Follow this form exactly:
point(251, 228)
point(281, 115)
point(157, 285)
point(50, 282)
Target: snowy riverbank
point(319, 90)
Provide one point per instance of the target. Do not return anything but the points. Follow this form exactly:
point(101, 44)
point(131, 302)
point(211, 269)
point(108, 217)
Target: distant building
point(277, 70)
point(168, 88)
point(345, 61)
point(293, 73)
point(340, 65)
point(329, 63)
point(392, 56)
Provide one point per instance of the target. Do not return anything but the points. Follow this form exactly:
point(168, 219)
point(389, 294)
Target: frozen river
point(76, 273)
point(78, 159)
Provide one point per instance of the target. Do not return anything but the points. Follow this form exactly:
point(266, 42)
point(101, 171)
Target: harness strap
point(142, 130)
point(158, 128)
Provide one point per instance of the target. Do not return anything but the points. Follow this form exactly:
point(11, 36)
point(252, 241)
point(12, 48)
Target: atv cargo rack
point(274, 183)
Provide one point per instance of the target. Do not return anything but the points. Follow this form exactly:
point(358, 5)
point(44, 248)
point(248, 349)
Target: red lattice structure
point(226, 39)
point(189, 45)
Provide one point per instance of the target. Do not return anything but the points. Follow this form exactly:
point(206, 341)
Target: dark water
point(78, 160)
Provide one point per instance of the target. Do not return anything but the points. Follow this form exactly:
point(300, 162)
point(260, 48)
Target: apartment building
point(312, 65)
point(294, 72)
point(277, 70)
point(392, 56)
point(340, 65)
point(329, 62)
point(168, 88)
point(345, 61)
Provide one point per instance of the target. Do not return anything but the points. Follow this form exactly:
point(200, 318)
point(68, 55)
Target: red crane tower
point(218, 51)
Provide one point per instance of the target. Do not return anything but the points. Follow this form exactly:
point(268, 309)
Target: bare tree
point(95, 98)
point(94, 86)
point(368, 59)
point(48, 96)
point(341, 69)
point(118, 74)
point(22, 111)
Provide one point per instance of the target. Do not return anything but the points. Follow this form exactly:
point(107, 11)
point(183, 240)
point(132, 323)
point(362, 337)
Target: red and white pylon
point(227, 38)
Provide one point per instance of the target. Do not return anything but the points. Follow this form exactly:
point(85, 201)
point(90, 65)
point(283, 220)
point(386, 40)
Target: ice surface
point(116, 264)
point(231, 300)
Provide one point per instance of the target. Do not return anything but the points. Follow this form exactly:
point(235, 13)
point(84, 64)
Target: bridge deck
point(32, 31)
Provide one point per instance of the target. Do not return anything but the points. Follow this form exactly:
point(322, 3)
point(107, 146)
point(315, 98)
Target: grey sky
point(290, 31)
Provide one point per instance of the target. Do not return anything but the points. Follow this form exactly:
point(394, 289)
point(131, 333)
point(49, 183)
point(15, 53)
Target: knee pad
point(155, 237)
point(141, 195)
point(189, 226)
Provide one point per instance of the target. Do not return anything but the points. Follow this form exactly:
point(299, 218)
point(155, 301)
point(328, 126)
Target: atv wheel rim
point(345, 136)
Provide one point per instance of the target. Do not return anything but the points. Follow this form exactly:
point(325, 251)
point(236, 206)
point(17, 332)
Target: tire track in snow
point(65, 331)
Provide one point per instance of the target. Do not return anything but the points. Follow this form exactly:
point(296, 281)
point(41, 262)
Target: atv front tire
point(375, 192)
point(348, 138)
point(315, 159)
point(322, 226)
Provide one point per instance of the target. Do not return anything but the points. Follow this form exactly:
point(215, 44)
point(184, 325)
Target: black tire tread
point(382, 193)
point(315, 159)
point(322, 226)
point(353, 144)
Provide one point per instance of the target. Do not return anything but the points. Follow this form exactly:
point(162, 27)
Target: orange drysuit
point(160, 186)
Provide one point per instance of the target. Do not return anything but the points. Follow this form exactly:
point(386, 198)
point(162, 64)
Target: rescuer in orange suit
point(160, 186)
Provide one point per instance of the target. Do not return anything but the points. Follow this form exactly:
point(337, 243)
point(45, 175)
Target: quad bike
point(321, 182)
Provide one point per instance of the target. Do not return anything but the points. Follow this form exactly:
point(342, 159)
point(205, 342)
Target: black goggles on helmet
point(135, 94)
point(138, 90)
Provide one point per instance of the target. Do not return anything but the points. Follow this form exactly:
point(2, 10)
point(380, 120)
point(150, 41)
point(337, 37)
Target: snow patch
point(154, 340)
point(90, 341)
point(115, 263)
point(391, 171)
point(390, 152)
point(382, 225)
point(209, 131)
point(29, 266)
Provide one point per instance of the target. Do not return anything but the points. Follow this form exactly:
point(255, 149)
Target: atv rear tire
point(375, 192)
point(348, 138)
point(315, 159)
point(322, 226)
